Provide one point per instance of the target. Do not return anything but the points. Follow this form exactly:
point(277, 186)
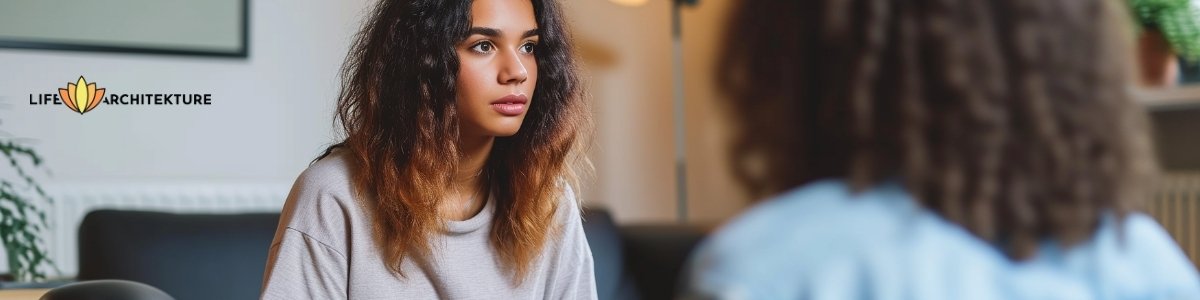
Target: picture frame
point(213, 28)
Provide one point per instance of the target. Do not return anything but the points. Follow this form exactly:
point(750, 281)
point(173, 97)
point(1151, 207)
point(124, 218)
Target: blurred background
point(273, 96)
point(272, 113)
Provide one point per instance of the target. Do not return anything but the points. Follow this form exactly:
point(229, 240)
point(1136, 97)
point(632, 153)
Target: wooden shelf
point(22, 294)
point(1181, 97)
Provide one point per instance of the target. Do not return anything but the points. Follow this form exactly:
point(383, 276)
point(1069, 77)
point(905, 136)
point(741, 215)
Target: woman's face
point(497, 70)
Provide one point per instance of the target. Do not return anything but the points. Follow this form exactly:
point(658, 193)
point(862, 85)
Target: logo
point(81, 96)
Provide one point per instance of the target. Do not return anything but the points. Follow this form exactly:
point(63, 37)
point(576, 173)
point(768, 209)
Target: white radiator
point(73, 201)
point(1176, 205)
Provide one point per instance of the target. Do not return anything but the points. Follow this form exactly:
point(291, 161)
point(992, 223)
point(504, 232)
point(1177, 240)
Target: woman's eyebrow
point(485, 31)
point(530, 33)
point(495, 33)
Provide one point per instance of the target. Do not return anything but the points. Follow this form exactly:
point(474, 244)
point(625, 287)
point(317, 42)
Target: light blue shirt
point(821, 241)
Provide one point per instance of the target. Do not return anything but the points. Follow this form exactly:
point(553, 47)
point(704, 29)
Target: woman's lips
point(511, 105)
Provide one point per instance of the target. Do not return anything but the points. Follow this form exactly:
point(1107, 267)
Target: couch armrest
point(106, 290)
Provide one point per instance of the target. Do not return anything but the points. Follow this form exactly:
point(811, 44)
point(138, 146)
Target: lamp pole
point(681, 203)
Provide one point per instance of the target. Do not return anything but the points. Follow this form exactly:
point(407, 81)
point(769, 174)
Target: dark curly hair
point(1009, 117)
point(397, 108)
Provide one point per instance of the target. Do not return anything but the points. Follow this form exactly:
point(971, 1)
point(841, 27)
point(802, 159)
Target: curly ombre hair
point(1010, 118)
point(397, 107)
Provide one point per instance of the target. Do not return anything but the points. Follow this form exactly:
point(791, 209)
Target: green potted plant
point(23, 213)
point(1169, 31)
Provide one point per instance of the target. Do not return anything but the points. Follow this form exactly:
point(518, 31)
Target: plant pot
point(1158, 65)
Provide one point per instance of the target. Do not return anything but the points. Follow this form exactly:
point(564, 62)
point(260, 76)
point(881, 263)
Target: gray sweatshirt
point(324, 249)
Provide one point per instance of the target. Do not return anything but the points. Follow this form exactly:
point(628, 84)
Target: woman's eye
point(484, 47)
point(528, 47)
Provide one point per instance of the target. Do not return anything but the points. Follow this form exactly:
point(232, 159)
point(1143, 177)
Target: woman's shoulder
point(798, 234)
point(822, 210)
point(321, 203)
point(326, 184)
point(1135, 256)
point(879, 237)
point(569, 207)
point(331, 173)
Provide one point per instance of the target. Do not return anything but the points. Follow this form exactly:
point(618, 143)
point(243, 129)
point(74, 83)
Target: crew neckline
point(483, 217)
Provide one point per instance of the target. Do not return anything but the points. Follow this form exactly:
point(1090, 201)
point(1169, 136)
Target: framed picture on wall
point(179, 27)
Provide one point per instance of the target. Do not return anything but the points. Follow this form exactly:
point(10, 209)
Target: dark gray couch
point(189, 256)
point(214, 256)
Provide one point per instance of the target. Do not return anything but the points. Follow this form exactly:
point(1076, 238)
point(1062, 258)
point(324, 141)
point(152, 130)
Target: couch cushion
point(655, 256)
point(189, 256)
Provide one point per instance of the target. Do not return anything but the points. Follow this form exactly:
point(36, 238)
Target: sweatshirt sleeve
point(300, 267)
point(572, 274)
point(307, 259)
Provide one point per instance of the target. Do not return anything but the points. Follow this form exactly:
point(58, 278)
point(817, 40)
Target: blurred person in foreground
point(937, 150)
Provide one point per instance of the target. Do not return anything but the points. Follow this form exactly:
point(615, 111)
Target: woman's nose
point(512, 70)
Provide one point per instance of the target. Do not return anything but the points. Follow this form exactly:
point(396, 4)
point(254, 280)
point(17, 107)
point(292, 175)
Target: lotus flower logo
point(81, 96)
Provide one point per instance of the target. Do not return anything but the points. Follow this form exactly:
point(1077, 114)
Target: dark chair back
point(189, 256)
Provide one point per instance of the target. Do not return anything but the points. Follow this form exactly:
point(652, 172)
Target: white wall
point(270, 113)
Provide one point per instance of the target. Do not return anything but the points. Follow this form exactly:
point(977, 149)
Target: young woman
point(463, 122)
point(927, 149)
